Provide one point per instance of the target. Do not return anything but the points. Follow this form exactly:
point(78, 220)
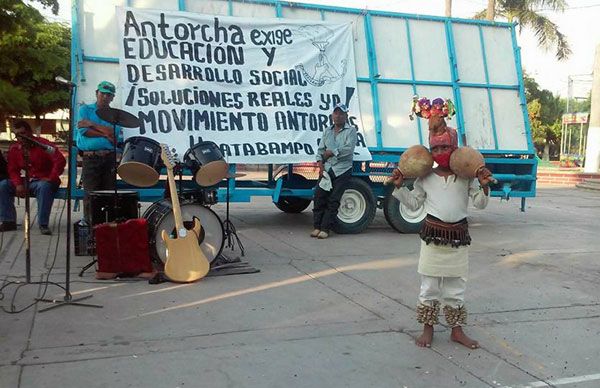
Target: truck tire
point(294, 204)
point(400, 217)
point(357, 208)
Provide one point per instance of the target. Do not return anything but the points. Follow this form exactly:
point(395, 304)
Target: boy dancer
point(443, 260)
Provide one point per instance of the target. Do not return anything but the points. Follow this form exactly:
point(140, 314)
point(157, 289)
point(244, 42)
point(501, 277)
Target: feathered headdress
point(424, 109)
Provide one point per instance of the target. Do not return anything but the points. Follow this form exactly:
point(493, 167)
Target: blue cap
point(341, 107)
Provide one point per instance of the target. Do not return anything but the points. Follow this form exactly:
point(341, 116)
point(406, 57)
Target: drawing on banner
point(324, 72)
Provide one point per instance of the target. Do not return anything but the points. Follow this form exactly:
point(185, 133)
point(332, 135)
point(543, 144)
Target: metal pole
point(569, 85)
point(580, 152)
point(569, 143)
point(562, 140)
point(592, 152)
point(27, 220)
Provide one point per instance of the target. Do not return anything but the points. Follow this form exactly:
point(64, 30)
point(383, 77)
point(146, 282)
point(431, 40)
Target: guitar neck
point(175, 200)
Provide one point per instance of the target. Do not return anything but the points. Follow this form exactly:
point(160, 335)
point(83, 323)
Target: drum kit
point(141, 166)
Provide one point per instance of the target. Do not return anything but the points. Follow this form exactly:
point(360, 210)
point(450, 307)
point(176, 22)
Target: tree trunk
point(448, 8)
point(546, 155)
point(491, 10)
point(3, 125)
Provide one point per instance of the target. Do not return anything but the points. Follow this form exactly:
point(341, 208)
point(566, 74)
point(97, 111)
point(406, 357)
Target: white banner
point(262, 89)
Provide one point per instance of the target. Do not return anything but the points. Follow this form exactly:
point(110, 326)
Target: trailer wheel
point(357, 208)
point(294, 204)
point(401, 218)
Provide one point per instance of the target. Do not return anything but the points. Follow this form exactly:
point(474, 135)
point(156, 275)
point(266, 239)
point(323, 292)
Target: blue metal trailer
point(474, 62)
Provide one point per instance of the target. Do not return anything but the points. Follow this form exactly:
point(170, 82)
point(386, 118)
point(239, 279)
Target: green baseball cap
point(106, 87)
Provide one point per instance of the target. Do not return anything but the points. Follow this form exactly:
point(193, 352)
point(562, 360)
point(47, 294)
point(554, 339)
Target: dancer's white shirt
point(446, 198)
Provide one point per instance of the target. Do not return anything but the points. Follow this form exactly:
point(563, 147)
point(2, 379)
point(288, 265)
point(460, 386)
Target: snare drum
point(207, 163)
point(102, 203)
point(160, 217)
point(141, 163)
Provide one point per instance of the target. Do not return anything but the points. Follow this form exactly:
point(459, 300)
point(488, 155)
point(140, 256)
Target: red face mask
point(443, 160)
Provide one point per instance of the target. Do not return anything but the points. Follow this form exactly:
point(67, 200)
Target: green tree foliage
point(544, 135)
point(527, 14)
point(577, 104)
point(545, 112)
point(551, 107)
point(32, 53)
point(13, 13)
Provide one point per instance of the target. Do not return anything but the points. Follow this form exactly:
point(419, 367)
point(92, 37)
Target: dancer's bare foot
point(424, 340)
point(458, 335)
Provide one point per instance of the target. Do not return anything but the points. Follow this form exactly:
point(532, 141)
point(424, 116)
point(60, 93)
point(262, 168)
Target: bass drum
point(160, 217)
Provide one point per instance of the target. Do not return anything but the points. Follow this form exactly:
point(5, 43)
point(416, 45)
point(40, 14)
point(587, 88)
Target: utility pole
point(569, 88)
point(592, 151)
point(563, 131)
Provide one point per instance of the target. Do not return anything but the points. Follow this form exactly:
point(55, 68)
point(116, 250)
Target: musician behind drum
point(95, 141)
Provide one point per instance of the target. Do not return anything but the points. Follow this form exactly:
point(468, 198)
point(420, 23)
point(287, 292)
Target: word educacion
point(202, 43)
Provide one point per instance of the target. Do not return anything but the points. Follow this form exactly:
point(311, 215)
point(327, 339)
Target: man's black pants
point(326, 203)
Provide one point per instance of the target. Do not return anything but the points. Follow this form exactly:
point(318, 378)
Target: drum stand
point(230, 232)
point(87, 266)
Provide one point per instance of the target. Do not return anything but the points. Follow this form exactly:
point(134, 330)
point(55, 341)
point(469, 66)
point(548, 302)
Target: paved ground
point(331, 313)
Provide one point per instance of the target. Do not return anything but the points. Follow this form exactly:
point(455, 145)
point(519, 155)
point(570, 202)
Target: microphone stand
point(68, 298)
point(27, 216)
point(26, 144)
point(31, 142)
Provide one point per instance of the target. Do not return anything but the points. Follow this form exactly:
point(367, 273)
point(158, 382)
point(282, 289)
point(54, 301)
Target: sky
point(579, 23)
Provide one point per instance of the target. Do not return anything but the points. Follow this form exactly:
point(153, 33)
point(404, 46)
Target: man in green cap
point(95, 139)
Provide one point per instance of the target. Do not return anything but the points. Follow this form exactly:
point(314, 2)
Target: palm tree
point(490, 14)
point(526, 13)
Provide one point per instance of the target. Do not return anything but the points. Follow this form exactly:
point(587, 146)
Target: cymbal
point(118, 117)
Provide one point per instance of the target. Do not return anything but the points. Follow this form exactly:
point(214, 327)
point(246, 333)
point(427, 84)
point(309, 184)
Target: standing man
point(95, 139)
point(334, 155)
point(45, 166)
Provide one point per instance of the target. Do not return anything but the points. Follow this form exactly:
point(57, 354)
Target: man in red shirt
point(46, 164)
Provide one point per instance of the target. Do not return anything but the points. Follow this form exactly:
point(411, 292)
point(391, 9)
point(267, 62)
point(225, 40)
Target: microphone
point(63, 81)
point(48, 148)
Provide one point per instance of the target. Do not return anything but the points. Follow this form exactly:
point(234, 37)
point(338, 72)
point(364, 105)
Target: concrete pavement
point(321, 313)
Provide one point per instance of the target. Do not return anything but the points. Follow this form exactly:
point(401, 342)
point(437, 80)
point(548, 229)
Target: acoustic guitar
point(185, 261)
